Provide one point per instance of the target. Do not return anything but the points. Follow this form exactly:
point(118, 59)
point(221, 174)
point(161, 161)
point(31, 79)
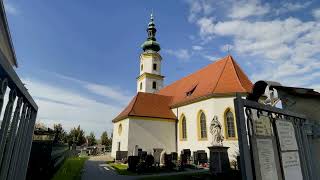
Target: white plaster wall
point(148, 65)
point(122, 138)
point(211, 107)
point(149, 134)
point(148, 85)
point(143, 81)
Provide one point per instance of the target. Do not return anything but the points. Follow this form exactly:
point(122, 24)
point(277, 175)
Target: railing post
point(17, 144)
point(245, 157)
point(28, 144)
point(10, 141)
point(5, 126)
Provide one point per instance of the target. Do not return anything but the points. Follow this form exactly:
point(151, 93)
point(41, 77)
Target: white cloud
point(109, 92)
point(182, 54)
point(197, 48)
point(210, 58)
point(316, 13)
point(289, 7)
point(10, 8)
point(199, 7)
point(71, 108)
point(282, 49)
point(246, 8)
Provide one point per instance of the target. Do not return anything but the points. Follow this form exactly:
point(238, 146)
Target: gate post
point(245, 155)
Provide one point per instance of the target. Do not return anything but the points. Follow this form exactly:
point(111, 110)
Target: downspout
point(176, 129)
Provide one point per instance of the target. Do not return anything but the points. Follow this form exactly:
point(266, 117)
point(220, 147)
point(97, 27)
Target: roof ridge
point(236, 64)
point(224, 66)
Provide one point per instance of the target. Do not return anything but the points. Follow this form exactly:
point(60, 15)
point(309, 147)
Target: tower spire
point(151, 42)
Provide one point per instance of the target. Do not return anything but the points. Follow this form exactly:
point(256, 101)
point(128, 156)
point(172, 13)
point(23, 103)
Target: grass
point(71, 169)
point(121, 169)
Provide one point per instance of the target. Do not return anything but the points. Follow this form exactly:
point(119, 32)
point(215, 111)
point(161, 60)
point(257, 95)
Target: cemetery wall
point(211, 107)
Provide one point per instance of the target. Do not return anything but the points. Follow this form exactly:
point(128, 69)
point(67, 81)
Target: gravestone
point(202, 157)
point(142, 155)
point(219, 159)
point(121, 155)
point(195, 158)
point(174, 156)
point(157, 155)
point(132, 163)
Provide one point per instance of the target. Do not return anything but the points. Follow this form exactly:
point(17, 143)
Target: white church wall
point(150, 133)
point(211, 107)
point(121, 137)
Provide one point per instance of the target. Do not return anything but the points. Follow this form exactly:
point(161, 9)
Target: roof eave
point(7, 31)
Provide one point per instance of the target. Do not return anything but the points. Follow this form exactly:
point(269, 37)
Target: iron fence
point(18, 115)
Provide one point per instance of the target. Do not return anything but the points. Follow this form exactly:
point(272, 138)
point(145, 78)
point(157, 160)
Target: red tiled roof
point(148, 105)
point(222, 76)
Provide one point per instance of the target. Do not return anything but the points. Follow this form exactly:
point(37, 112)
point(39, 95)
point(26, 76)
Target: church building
point(177, 116)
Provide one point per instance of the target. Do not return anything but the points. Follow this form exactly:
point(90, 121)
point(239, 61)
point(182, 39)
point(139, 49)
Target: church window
point(202, 125)
point(155, 67)
point(120, 129)
point(141, 67)
point(184, 128)
point(229, 119)
point(154, 85)
point(141, 86)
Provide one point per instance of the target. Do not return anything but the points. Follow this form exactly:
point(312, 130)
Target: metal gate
point(273, 142)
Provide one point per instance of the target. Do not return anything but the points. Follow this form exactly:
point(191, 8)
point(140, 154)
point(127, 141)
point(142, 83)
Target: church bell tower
point(150, 79)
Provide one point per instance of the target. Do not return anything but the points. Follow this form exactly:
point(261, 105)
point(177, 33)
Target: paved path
point(95, 169)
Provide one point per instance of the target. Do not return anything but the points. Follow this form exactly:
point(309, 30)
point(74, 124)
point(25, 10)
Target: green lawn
point(121, 169)
point(71, 169)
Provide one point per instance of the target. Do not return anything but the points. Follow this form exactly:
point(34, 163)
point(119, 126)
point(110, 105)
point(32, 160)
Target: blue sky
point(80, 59)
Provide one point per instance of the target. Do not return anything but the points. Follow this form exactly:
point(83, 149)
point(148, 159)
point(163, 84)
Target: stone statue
point(215, 130)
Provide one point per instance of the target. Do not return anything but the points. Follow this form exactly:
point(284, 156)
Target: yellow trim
point(225, 124)
point(150, 55)
point(180, 128)
point(149, 75)
point(199, 125)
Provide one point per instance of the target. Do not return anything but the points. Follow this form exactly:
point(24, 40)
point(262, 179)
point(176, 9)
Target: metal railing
point(19, 113)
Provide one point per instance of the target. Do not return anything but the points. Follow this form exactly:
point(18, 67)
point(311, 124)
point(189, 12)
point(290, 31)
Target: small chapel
point(177, 116)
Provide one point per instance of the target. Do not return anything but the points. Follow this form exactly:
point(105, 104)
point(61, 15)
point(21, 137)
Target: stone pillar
point(219, 159)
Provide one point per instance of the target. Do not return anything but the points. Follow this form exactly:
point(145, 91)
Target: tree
point(91, 139)
point(60, 134)
point(104, 138)
point(77, 135)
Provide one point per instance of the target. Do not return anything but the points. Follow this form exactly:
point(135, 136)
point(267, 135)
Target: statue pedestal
point(219, 159)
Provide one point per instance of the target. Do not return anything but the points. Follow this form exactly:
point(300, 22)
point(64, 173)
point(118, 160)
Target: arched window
point(141, 67)
point(141, 86)
point(183, 128)
point(231, 133)
point(203, 125)
point(154, 85)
